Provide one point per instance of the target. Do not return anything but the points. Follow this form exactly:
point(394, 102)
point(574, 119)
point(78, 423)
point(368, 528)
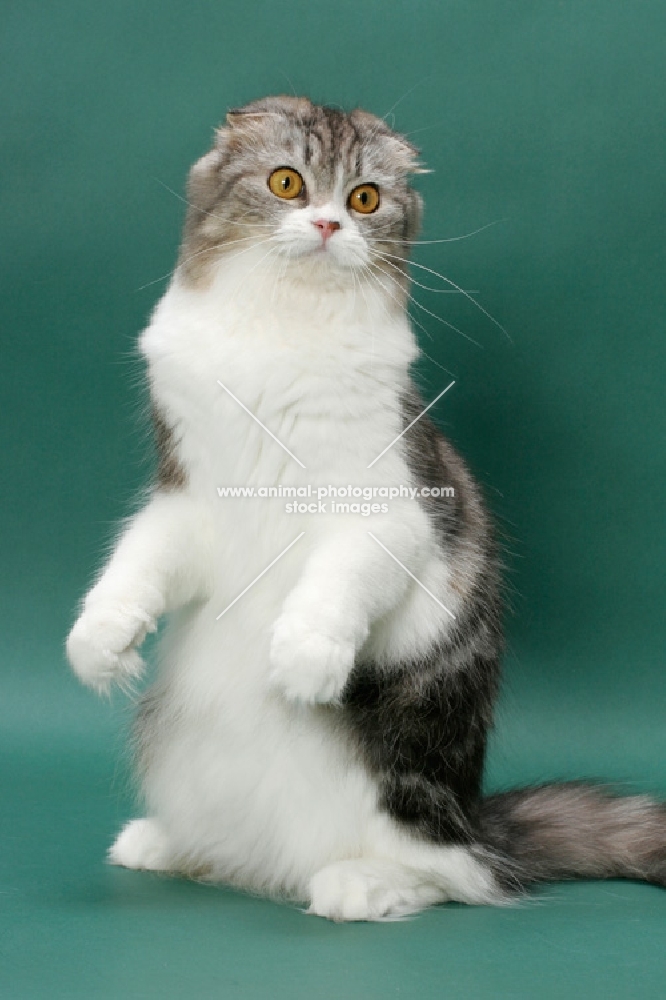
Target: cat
point(318, 727)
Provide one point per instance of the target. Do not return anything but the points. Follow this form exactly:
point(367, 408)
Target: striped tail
point(573, 830)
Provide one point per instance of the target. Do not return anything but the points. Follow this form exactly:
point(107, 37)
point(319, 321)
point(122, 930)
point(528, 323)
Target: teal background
point(549, 116)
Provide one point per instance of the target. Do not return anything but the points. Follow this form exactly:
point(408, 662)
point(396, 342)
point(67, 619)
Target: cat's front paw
point(306, 664)
point(102, 646)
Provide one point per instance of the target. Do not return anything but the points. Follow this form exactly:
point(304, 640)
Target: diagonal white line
point(270, 433)
point(421, 414)
point(259, 577)
point(409, 573)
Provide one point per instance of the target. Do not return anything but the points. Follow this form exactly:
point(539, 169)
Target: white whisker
point(462, 291)
point(368, 270)
point(448, 239)
point(420, 305)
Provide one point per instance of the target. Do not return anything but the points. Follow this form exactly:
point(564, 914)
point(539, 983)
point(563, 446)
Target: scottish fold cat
point(326, 680)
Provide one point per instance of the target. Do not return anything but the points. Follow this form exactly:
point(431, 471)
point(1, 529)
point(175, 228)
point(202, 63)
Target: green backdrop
point(548, 116)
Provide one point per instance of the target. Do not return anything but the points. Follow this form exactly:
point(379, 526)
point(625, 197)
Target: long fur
point(327, 680)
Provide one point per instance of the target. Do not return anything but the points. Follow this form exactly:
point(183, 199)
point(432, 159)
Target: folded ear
point(242, 124)
point(404, 155)
point(242, 118)
point(256, 114)
point(282, 104)
point(408, 155)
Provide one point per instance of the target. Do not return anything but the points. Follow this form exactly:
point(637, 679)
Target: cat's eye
point(285, 183)
point(364, 199)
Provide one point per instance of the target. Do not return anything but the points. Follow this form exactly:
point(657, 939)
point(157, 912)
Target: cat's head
point(324, 192)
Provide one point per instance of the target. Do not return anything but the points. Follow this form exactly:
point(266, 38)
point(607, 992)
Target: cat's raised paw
point(101, 647)
point(141, 844)
point(307, 665)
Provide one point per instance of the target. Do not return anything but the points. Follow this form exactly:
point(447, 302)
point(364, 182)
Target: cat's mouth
point(334, 249)
point(332, 255)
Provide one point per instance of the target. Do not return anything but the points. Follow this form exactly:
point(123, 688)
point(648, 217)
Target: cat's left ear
point(402, 155)
point(407, 155)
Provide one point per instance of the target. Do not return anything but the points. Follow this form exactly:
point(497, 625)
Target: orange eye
point(285, 183)
point(364, 199)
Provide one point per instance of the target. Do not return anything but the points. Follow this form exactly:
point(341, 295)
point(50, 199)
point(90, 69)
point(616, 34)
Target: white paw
point(366, 890)
point(141, 844)
point(307, 665)
point(102, 645)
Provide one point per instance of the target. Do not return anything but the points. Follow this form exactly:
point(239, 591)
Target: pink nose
point(326, 227)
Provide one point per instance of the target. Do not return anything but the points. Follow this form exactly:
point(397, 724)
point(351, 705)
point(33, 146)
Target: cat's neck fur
point(324, 312)
point(339, 356)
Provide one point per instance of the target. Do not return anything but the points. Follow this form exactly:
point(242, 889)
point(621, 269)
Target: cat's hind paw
point(101, 647)
point(367, 889)
point(306, 665)
point(141, 844)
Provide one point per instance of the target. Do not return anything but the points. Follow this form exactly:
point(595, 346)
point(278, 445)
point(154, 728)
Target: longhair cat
point(318, 727)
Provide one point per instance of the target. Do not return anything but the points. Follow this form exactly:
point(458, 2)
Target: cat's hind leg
point(142, 844)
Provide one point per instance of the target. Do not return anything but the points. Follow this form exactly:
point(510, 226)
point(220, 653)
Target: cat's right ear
point(244, 123)
point(203, 181)
point(237, 117)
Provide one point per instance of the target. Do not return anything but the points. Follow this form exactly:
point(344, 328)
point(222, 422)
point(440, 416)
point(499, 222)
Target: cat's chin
point(323, 268)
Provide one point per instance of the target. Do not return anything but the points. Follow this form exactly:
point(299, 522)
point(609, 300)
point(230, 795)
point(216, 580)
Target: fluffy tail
point(573, 830)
